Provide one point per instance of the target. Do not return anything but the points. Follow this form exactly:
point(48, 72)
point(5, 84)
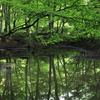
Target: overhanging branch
point(21, 27)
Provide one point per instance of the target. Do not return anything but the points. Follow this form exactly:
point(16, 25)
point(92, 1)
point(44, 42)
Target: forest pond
point(49, 74)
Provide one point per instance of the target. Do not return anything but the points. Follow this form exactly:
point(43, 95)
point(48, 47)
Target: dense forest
point(46, 22)
point(49, 49)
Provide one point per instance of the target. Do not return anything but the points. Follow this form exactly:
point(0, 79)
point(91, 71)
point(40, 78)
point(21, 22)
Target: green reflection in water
point(49, 76)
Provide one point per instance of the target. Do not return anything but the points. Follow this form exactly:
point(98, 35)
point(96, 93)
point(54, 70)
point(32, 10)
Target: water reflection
point(52, 75)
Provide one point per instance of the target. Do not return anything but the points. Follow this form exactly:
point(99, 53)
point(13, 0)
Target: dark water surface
point(49, 74)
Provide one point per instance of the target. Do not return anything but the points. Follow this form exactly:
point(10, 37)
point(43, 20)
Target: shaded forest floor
point(86, 43)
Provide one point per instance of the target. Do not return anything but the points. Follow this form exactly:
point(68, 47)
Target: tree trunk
point(1, 20)
point(7, 18)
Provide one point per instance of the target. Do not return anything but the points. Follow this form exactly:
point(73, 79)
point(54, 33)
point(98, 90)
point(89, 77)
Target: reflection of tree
point(8, 90)
point(43, 78)
point(55, 79)
point(26, 77)
point(0, 72)
point(49, 92)
point(52, 69)
point(65, 71)
point(37, 80)
point(84, 78)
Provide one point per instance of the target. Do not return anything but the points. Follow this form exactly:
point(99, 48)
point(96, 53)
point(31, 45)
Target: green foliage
point(79, 17)
point(49, 40)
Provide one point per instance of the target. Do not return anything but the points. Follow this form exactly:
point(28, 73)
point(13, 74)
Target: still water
point(49, 74)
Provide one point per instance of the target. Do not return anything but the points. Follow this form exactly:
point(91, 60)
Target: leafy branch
point(21, 27)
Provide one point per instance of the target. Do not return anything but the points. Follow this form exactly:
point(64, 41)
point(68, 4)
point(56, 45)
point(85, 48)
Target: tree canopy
point(60, 18)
